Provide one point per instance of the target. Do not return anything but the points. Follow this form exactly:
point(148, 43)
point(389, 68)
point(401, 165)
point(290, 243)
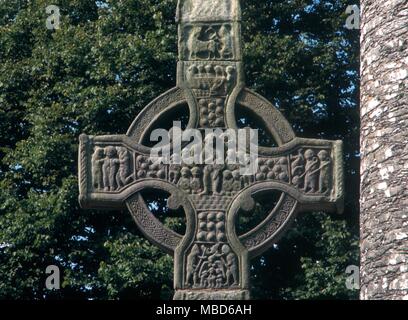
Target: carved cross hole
point(211, 261)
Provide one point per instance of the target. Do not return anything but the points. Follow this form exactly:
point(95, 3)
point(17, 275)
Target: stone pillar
point(384, 149)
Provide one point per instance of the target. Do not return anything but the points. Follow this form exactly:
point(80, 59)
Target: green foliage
point(93, 75)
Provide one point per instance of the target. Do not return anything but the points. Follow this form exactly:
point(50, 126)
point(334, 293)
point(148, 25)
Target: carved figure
point(205, 48)
point(123, 176)
point(184, 182)
point(174, 168)
point(97, 163)
point(325, 171)
point(231, 265)
point(110, 168)
point(227, 181)
point(238, 180)
point(311, 171)
point(216, 178)
point(196, 185)
point(225, 42)
point(191, 267)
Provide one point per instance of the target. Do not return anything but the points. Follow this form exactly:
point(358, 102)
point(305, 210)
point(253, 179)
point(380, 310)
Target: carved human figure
point(191, 76)
point(325, 171)
point(227, 182)
point(214, 253)
point(211, 277)
point(174, 168)
point(230, 78)
point(219, 275)
point(245, 161)
point(184, 182)
point(207, 181)
point(225, 43)
point(123, 177)
point(311, 171)
point(196, 184)
point(110, 168)
point(97, 163)
point(231, 263)
point(219, 81)
point(298, 165)
point(216, 177)
point(238, 180)
point(193, 260)
point(298, 169)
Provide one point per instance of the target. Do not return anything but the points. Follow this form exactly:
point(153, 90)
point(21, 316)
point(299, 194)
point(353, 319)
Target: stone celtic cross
point(211, 261)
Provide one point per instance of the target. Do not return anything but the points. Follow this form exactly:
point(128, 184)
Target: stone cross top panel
point(211, 261)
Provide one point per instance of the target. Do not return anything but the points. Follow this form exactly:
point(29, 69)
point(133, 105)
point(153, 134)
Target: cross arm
point(310, 170)
point(109, 169)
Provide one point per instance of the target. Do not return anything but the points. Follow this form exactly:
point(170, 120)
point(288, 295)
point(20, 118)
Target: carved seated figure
point(227, 182)
point(196, 184)
point(184, 182)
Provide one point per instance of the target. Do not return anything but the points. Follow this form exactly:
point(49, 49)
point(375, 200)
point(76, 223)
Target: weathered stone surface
point(384, 152)
point(211, 261)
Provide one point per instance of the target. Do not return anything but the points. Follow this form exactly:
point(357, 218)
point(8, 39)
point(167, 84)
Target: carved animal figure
point(205, 48)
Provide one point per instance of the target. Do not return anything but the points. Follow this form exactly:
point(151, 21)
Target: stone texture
point(384, 149)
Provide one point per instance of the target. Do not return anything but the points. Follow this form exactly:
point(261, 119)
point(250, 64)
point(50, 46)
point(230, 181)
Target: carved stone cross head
point(211, 261)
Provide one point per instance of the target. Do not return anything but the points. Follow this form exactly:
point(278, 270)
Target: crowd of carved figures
point(208, 80)
point(209, 42)
point(111, 168)
point(211, 262)
point(309, 170)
